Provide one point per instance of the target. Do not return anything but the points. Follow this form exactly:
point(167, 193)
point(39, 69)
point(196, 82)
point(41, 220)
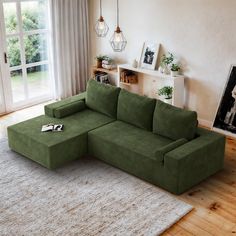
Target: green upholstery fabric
point(133, 150)
point(133, 138)
point(50, 109)
point(102, 98)
point(196, 160)
point(53, 149)
point(69, 109)
point(136, 151)
point(173, 122)
point(135, 109)
point(168, 157)
point(160, 152)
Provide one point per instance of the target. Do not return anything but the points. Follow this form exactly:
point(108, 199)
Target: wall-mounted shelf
point(154, 73)
point(149, 81)
point(112, 72)
point(127, 84)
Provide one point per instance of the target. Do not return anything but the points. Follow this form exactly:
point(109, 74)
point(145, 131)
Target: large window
point(26, 37)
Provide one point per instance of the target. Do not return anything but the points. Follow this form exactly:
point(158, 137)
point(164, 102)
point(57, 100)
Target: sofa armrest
point(51, 108)
point(197, 159)
point(69, 109)
point(160, 152)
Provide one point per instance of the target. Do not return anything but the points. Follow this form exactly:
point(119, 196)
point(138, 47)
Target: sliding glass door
point(2, 100)
point(26, 76)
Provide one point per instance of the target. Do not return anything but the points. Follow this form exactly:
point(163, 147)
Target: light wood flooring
point(214, 199)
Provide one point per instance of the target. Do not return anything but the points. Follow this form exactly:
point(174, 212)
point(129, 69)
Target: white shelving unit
point(149, 81)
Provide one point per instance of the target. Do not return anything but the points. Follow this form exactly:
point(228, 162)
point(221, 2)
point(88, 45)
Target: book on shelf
point(102, 77)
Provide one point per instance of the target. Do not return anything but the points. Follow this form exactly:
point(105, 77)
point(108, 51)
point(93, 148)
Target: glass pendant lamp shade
point(101, 28)
point(118, 41)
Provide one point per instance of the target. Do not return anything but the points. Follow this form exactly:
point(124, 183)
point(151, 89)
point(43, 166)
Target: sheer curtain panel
point(70, 46)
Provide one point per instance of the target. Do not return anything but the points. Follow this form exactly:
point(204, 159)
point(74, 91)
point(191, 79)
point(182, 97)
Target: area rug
point(86, 197)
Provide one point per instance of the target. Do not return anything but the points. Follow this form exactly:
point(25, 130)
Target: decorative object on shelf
point(166, 61)
point(160, 69)
point(174, 69)
point(149, 55)
point(167, 92)
point(225, 120)
point(99, 59)
point(101, 28)
point(107, 63)
point(135, 63)
point(128, 77)
point(118, 41)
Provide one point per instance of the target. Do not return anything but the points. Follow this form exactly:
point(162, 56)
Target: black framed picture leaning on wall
point(149, 55)
point(225, 119)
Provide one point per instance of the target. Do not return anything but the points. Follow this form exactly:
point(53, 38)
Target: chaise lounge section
point(142, 136)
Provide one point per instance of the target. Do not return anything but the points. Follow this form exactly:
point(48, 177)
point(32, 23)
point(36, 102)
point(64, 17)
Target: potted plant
point(99, 59)
point(174, 69)
point(167, 92)
point(166, 60)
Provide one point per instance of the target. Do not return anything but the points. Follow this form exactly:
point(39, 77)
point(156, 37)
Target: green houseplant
point(166, 60)
point(174, 69)
point(167, 92)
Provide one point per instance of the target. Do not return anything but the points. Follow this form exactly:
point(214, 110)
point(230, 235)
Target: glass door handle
point(5, 58)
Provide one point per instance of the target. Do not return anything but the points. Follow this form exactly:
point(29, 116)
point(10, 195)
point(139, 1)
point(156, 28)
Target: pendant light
point(101, 28)
point(118, 41)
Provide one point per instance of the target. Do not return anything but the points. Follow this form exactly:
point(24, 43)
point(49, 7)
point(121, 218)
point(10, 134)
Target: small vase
point(99, 64)
point(160, 69)
point(168, 101)
point(135, 63)
point(166, 70)
point(174, 73)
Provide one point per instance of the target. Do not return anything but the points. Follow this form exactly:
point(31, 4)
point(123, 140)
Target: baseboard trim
point(205, 123)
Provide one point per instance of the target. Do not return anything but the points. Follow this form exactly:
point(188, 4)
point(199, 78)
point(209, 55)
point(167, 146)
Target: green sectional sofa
point(142, 136)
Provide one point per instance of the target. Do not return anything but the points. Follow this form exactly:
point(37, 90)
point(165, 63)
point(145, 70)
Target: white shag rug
point(86, 197)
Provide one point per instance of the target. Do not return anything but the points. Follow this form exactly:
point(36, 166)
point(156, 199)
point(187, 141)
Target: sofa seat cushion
point(102, 98)
point(173, 122)
point(73, 101)
point(133, 150)
point(130, 137)
point(52, 149)
point(135, 109)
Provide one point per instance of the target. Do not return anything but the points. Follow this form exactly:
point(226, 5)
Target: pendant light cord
point(100, 7)
point(117, 12)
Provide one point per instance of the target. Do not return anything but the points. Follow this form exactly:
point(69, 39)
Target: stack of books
point(102, 77)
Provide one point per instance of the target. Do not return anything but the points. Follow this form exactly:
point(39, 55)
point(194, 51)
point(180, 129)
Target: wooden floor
point(214, 200)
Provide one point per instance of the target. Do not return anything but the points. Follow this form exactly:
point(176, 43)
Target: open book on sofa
point(52, 127)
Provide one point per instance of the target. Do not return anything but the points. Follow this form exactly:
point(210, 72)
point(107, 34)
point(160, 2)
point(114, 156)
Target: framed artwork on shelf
point(149, 55)
point(225, 119)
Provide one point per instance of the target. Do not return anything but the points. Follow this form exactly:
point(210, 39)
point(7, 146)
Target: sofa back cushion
point(173, 122)
point(102, 98)
point(135, 109)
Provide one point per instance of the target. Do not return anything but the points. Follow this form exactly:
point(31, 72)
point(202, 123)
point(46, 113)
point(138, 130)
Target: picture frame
point(149, 55)
point(225, 118)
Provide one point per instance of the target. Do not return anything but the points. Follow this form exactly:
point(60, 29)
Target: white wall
point(202, 33)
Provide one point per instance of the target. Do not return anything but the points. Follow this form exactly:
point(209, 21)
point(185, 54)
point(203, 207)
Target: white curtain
point(70, 46)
